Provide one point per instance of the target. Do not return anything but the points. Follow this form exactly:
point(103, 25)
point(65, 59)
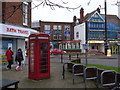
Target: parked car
point(95, 51)
point(57, 51)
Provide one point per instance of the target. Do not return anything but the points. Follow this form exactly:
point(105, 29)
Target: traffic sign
point(85, 46)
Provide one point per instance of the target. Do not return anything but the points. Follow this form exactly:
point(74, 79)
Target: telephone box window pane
point(44, 51)
point(43, 59)
point(32, 57)
point(43, 45)
point(44, 63)
point(44, 67)
point(43, 55)
point(43, 71)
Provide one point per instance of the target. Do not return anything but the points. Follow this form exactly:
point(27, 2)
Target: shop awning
point(12, 30)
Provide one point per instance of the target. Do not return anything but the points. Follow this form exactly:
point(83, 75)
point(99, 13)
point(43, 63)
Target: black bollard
point(69, 56)
point(61, 58)
point(77, 55)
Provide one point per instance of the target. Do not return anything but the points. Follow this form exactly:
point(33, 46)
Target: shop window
point(77, 45)
point(69, 45)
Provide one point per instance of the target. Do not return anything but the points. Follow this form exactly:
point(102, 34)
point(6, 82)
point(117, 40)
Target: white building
point(94, 33)
point(119, 8)
point(12, 36)
point(80, 34)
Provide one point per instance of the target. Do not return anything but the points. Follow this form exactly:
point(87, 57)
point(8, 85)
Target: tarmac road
point(112, 60)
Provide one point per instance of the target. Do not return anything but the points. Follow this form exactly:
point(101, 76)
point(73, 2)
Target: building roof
point(110, 18)
point(87, 16)
point(113, 19)
point(55, 22)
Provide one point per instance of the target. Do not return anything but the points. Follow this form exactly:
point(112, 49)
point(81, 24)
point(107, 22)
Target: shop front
point(70, 46)
point(14, 37)
point(99, 45)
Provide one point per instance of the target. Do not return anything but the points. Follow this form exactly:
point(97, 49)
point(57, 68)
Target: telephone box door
point(44, 63)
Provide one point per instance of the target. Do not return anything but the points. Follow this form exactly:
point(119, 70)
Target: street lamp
point(106, 39)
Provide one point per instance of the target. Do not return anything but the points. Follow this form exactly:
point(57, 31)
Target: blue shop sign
point(66, 32)
point(47, 32)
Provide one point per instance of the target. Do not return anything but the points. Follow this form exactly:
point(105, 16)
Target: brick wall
point(0, 11)
point(12, 13)
point(58, 23)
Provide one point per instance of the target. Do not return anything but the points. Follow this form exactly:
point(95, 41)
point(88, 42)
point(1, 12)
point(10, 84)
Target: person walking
point(19, 58)
point(9, 54)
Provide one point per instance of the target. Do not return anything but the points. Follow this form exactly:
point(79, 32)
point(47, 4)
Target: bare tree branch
point(37, 5)
point(64, 2)
point(89, 2)
point(53, 5)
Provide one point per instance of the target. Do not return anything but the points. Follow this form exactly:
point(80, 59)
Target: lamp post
point(86, 43)
point(106, 39)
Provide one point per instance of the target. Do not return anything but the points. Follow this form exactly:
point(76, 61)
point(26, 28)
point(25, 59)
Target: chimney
point(74, 19)
point(81, 15)
point(98, 9)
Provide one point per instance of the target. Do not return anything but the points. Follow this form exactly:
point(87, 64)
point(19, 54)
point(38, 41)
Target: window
point(60, 37)
point(55, 37)
point(77, 34)
point(67, 27)
point(54, 27)
point(25, 13)
point(35, 24)
point(59, 27)
point(67, 37)
point(46, 27)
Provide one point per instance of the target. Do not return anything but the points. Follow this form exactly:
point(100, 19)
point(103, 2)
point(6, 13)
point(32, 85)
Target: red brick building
point(58, 31)
point(0, 11)
point(15, 27)
point(17, 13)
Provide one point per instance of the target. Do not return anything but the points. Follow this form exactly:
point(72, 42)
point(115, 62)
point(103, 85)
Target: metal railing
point(89, 76)
point(77, 70)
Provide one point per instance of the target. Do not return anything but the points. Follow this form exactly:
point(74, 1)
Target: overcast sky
point(63, 15)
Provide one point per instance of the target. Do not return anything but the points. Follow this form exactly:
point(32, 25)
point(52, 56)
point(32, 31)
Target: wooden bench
point(8, 82)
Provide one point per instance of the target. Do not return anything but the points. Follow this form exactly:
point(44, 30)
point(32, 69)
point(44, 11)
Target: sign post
point(86, 46)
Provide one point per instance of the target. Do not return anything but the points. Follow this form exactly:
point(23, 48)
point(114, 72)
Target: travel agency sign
point(14, 30)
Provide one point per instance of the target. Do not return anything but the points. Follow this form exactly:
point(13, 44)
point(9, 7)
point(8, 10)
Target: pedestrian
point(19, 58)
point(9, 54)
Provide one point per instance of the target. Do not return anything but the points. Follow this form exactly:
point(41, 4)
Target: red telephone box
point(39, 56)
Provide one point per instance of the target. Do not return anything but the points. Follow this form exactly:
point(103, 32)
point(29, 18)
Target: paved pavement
point(55, 81)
